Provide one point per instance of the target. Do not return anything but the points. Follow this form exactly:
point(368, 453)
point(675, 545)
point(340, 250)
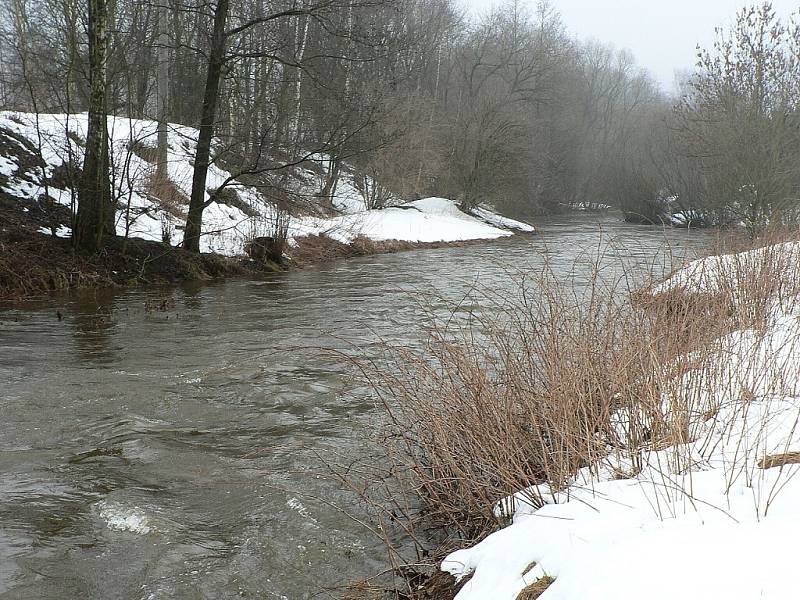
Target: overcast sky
point(662, 34)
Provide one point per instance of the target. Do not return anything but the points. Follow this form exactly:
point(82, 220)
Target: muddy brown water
point(165, 443)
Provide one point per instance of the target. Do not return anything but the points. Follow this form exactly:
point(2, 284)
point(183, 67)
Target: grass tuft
point(536, 589)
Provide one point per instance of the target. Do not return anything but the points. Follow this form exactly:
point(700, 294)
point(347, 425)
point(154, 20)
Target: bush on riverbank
point(496, 416)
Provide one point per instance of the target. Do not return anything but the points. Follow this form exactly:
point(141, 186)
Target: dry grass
point(507, 402)
point(536, 589)
point(779, 460)
point(536, 386)
point(435, 586)
point(317, 249)
point(146, 153)
point(321, 249)
point(169, 197)
point(744, 284)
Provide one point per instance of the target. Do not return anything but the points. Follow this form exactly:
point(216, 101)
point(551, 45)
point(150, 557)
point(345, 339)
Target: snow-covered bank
point(422, 221)
point(228, 223)
point(714, 517)
point(718, 272)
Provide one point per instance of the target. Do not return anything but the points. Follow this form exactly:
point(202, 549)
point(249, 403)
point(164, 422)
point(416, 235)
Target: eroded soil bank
point(33, 263)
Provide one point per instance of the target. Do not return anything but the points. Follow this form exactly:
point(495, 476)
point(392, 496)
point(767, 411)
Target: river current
point(166, 443)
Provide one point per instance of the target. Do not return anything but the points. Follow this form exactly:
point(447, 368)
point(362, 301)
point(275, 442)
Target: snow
point(714, 273)
point(425, 220)
point(590, 206)
point(687, 218)
point(704, 519)
point(226, 229)
point(491, 217)
point(8, 166)
point(62, 231)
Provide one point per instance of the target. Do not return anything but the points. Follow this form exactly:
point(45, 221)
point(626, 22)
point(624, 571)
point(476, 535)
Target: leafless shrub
point(169, 196)
point(375, 194)
point(506, 407)
point(507, 402)
point(269, 233)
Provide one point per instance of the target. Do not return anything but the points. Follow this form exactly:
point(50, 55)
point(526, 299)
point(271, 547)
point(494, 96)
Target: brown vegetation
point(536, 589)
point(32, 264)
point(434, 586)
point(501, 411)
point(779, 460)
point(171, 199)
point(318, 249)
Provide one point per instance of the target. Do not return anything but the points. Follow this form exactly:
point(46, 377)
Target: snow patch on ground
point(426, 220)
point(62, 231)
point(8, 166)
point(713, 273)
point(497, 220)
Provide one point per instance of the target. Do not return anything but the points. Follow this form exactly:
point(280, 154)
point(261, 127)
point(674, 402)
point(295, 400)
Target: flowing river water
point(166, 443)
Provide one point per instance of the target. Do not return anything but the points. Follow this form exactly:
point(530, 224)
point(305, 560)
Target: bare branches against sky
point(662, 34)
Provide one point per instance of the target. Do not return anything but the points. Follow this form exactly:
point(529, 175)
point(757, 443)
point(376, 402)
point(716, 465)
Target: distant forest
point(420, 100)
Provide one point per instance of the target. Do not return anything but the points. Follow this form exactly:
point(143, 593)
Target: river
point(165, 443)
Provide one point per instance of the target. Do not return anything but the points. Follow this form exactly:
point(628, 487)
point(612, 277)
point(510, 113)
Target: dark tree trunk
point(331, 180)
point(95, 217)
point(194, 220)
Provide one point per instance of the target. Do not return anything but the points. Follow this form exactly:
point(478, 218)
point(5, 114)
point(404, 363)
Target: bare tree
point(95, 217)
point(739, 120)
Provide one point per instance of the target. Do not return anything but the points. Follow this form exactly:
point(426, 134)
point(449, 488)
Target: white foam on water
point(124, 518)
point(298, 506)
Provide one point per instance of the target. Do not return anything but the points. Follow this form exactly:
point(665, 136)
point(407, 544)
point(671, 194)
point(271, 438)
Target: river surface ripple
point(164, 443)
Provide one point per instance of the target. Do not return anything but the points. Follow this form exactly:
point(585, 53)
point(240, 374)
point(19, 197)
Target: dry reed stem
point(779, 460)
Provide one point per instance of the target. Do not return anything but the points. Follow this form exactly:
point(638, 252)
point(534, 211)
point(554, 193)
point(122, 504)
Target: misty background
point(663, 35)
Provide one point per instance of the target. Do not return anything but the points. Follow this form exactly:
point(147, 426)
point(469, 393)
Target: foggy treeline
point(507, 108)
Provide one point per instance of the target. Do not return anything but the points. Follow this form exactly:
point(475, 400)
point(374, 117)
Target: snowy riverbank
point(242, 215)
point(714, 516)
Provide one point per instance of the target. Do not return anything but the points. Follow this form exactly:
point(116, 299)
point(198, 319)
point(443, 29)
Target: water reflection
point(92, 330)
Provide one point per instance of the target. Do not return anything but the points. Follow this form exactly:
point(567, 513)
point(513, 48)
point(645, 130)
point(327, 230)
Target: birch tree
point(95, 216)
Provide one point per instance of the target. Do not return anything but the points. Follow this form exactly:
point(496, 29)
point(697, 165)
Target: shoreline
point(34, 264)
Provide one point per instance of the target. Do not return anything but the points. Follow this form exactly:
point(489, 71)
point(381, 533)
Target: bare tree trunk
point(163, 93)
point(94, 198)
point(331, 179)
point(294, 127)
point(194, 220)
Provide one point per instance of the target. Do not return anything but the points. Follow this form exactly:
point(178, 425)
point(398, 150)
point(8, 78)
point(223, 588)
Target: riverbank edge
point(311, 250)
point(33, 264)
